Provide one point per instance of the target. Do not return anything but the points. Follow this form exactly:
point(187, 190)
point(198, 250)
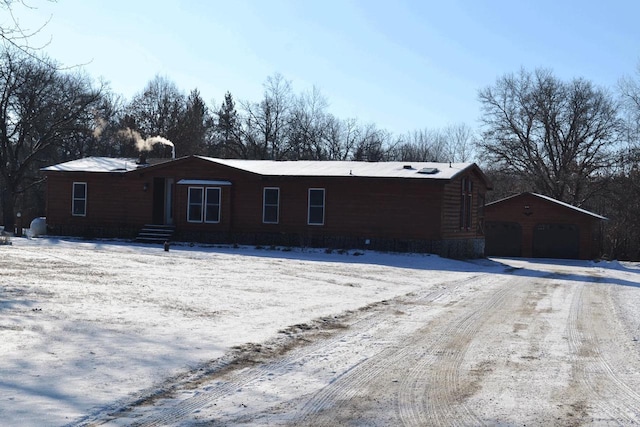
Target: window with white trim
point(212, 205)
point(79, 199)
point(316, 206)
point(203, 204)
point(271, 205)
point(194, 205)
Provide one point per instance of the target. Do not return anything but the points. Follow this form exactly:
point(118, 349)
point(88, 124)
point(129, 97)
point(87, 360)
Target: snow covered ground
point(114, 333)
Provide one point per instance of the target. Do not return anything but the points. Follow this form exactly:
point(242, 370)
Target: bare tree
point(371, 144)
point(307, 127)
point(454, 143)
point(41, 110)
point(629, 89)
point(157, 109)
point(558, 135)
point(460, 140)
point(421, 146)
point(265, 122)
point(338, 137)
point(107, 121)
point(15, 36)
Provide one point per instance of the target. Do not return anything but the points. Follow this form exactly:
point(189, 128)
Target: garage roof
point(552, 200)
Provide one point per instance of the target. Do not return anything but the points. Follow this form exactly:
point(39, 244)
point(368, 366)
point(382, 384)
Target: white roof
point(575, 208)
point(424, 170)
point(95, 164)
point(556, 201)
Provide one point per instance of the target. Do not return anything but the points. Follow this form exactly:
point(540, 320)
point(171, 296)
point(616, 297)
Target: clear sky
point(401, 64)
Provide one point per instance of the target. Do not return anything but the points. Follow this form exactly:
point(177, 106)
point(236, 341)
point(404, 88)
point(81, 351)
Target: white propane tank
point(39, 226)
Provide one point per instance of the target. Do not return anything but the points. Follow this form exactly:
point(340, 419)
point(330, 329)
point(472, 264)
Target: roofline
point(139, 167)
point(470, 166)
point(238, 167)
point(213, 160)
point(159, 165)
point(484, 177)
point(552, 200)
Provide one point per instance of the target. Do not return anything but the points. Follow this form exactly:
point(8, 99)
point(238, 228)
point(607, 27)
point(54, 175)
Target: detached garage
point(533, 225)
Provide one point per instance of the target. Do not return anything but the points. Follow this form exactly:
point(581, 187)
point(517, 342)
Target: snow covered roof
point(100, 164)
point(424, 170)
point(428, 170)
point(556, 201)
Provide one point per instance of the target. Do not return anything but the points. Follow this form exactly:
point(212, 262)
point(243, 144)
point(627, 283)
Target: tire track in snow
point(373, 374)
point(431, 394)
point(338, 396)
point(227, 384)
point(43, 254)
point(363, 326)
point(592, 370)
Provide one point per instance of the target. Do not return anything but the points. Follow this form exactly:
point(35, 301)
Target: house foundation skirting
point(93, 232)
point(462, 248)
point(449, 248)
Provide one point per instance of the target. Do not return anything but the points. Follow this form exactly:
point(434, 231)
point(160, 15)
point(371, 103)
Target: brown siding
point(356, 208)
point(366, 208)
point(451, 208)
point(112, 201)
point(541, 211)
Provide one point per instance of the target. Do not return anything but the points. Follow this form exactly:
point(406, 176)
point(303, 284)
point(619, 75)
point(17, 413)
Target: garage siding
point(548, 228)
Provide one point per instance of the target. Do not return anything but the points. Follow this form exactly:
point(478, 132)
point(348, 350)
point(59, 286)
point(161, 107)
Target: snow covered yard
point(113, 333)
point(84, 324)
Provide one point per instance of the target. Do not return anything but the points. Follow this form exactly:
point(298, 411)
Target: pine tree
point(228, 143)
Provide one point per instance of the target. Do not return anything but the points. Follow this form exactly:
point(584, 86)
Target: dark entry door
point(158, 200)
point(556, 241)
point(503, 239)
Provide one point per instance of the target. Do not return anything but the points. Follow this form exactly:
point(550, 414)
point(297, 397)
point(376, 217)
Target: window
point(270, 207)
point(194, 209)
point(79, 203)
point(316, 206)
point(480, 221)
point(204, 204)
point(466, 199)
point(212, 211)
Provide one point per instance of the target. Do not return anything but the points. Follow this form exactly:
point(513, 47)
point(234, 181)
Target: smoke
point(144, 144)
point(100, 124)
point(158, 140)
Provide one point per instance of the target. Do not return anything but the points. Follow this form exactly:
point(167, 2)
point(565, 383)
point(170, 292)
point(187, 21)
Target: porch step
point(152, 233)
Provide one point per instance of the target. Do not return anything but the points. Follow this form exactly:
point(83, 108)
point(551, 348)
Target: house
point(533, 225)
point(421, 207)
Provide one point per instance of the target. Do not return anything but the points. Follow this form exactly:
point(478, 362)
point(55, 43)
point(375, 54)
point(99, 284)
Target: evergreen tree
point(195, 127)
point(227, 143)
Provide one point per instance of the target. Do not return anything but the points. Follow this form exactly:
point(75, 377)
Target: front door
point(158, 200)
point(163, 201)
point(168, 201)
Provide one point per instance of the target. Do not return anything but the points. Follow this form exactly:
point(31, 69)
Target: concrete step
point(154, 233)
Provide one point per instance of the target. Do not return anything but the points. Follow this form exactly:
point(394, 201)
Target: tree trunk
point(8, 205)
